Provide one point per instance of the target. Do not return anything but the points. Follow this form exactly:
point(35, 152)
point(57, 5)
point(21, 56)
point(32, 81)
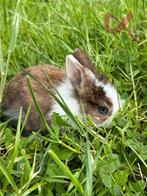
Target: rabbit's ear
point(84, 59)
point(78, 75)
point(74, 70)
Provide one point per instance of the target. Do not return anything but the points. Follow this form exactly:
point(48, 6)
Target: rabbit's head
point(99, 97)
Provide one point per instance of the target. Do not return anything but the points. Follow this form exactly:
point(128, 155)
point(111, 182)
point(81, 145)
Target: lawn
point(77, 158)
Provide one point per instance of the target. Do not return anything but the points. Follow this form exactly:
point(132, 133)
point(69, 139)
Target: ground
point(80, 159)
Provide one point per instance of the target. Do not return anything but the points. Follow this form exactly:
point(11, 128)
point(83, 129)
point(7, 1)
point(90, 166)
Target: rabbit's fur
point(78, 83)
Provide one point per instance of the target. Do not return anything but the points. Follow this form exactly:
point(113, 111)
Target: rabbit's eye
point(103, 110)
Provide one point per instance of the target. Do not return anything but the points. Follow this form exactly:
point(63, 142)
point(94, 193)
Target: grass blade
point(33, 188)
point(15, 29)
point(89, 170)
point(38, 109)
point(32, 175)
point(2, 71)
point(133, 175)
point(6, 173)
point(13, 38)
point(66, 171)
point(138, 155)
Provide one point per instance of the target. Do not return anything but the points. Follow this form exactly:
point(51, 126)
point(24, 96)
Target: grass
point(82, 160)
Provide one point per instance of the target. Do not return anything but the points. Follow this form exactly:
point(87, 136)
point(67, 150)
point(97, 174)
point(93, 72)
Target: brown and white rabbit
point(78, 83)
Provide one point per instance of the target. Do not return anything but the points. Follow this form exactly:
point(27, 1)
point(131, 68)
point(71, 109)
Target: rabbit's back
point(17, 93)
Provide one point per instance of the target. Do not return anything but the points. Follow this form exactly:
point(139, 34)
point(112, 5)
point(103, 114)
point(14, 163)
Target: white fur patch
point(112, 94)
point(66, 91)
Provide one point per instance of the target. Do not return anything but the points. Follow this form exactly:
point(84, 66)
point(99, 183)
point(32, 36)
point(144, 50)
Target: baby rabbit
point(78, 83)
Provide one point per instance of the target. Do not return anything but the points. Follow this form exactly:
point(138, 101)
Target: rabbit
point(79, 82)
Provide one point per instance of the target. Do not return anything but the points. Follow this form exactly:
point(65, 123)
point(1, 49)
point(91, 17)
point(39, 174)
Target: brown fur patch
point(92, 97)
point(17, 93)
point(86, 61)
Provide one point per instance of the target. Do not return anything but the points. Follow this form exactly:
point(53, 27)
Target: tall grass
point(12, 42)
point(82, 159)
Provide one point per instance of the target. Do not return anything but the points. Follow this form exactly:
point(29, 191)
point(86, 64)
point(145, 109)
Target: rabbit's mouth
point(102, 122)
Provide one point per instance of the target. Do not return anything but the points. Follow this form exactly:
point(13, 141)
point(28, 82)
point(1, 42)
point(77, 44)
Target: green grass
point(82, 160)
